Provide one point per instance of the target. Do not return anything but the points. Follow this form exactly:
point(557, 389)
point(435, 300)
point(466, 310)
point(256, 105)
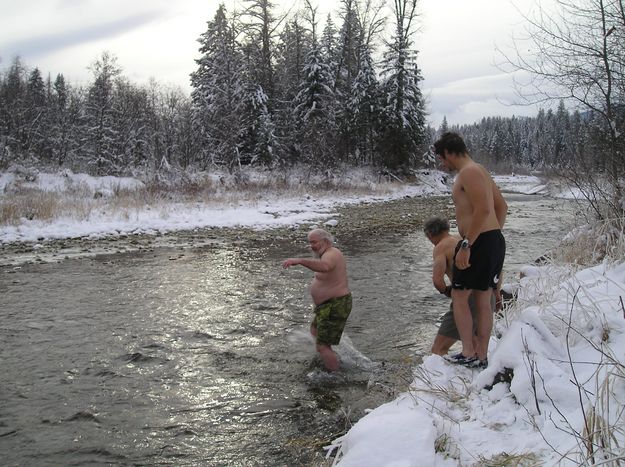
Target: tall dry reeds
point(593, 242)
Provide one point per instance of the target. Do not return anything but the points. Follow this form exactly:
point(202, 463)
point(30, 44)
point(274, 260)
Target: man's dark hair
point(435, 226)
point(452, 142)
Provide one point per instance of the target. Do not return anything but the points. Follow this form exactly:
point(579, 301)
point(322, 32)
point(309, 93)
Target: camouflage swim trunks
point(330, 319)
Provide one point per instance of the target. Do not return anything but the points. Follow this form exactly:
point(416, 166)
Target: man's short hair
point(452, 142)
point(435, 226)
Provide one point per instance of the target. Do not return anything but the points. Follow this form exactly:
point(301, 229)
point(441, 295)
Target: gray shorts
point(448, 324)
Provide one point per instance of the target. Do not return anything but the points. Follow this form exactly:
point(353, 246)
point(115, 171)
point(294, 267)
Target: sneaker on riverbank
point(460, 359)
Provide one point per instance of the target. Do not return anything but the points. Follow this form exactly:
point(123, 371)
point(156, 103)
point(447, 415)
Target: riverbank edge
point(346, 221)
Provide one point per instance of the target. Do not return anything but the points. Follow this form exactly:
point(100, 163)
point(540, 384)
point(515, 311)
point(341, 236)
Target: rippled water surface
point(202, 356)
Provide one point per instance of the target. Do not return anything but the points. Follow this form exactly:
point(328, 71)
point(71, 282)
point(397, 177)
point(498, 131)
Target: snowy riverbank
point(261, 211)
point(553, 394)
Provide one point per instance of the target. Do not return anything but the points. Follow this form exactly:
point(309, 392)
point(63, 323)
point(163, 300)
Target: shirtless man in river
point(329, 291)
point(480, 216)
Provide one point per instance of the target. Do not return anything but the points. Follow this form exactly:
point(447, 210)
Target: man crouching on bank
point(329, 291)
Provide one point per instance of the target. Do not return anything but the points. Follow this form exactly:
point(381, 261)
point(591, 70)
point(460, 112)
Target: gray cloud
point(34, 47)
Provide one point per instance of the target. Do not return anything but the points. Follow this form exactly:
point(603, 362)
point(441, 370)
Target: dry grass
point(591, 244)
point(78, 201)
point(511, 460)
point(603, 430)
point(449, 393)
point(40, 205)
point(442, 443)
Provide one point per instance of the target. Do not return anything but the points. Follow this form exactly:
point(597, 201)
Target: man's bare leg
point(328, 356)
point(484, 317)
point(330, 360)
point(464, 320)
point(441, 344)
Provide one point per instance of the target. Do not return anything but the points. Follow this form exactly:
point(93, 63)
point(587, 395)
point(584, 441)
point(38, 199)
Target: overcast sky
point(158, 38)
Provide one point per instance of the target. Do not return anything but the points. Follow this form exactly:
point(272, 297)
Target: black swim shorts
point(487, 255)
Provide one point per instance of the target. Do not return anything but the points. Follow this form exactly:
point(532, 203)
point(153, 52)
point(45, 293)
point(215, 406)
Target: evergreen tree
point(577, 139)
point(403, 123)
point(525, 149)
point(217, 87)
point(13, 111)
point(100, 132)
point(561, 136)
point(293, 48)
point(132, 115)
point(36, 117)
point(347, 60)
point(60, 121)
point(444, 128)
point(329, 45)
point(260, 26)
point(364, 109)
point(258, 136)
point(346, 69)
point(314, 112)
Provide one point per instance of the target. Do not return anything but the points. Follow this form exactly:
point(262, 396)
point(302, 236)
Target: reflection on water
point(203, 357)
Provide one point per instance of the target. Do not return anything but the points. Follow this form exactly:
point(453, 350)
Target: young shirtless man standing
point(480, 216)
point(330, 294)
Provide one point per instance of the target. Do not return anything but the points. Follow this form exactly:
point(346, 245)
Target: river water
point(201, 356)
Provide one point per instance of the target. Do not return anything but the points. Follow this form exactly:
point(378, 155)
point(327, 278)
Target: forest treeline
point(115, 127)
point(276, 91)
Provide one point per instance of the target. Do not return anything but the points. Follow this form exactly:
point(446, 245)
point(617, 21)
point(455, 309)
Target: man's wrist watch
point(465, 245)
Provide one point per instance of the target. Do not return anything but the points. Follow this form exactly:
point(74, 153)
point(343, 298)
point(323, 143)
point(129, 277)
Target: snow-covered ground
point(532, 185)
point(559, 354)
point(560, 360)
point(263, 212)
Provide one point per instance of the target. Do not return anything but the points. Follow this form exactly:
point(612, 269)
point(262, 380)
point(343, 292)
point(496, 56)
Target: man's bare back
point(446, 248)
point(469, 177)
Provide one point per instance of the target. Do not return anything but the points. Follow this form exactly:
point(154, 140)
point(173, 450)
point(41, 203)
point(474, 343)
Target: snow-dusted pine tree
point(315, 108)
point(403, 124)
point(36, 114)
point(292, 50)
point(99, 127)
point(217, 87)
point(346, 67)
point(13, 111)
point(260, 24)
point(258, 134)
point(364, 109)
point(59, 127)
point(132, 115)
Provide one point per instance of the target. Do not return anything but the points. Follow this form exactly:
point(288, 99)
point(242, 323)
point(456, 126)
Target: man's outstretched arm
point(325, 264)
